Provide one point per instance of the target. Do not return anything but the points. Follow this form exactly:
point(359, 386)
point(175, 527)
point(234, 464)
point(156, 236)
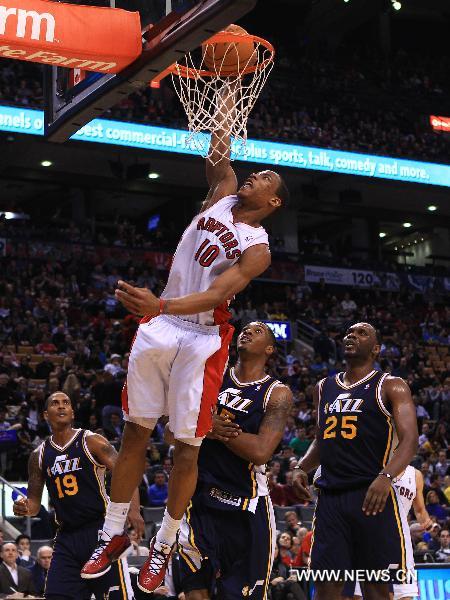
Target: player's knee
point(135, 435)
point(197, 595)
point(376, 591)
point(185, 455)
point(328, 590)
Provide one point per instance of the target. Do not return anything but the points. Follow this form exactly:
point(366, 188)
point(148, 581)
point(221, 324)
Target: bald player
point(360, 519)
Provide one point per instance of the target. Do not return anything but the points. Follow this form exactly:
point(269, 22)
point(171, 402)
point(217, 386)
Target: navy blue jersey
point(245, 404)
point(74, 480)
point(356, 431)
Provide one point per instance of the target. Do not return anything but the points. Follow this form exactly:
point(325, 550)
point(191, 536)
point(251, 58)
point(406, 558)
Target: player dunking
point(72, 463)
point(228, 534)
point(359, 519)
point(178, 357)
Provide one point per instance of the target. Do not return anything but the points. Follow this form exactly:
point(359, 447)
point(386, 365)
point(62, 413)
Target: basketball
point(228, 58)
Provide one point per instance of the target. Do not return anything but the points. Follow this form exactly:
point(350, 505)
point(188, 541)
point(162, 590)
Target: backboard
point(170, 29)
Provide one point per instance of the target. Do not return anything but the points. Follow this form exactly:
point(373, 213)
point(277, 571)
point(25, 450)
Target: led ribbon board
point(166, 139)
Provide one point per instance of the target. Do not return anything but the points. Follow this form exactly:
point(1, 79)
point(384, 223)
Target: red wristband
point(162, 303)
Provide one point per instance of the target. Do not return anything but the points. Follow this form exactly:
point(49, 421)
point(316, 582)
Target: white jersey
point(406, 488)
point(211, 244)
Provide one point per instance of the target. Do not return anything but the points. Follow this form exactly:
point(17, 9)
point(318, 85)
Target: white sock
point(169, 529)
point(116, 515)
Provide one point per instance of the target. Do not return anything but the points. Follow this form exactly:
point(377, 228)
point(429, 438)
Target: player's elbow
point(261, 457)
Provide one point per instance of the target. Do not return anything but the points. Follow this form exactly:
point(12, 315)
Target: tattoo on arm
point(35, 478)
point(278, 410)
point(102, 451)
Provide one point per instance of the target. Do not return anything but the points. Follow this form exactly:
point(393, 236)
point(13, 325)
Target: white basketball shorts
point(176, 369)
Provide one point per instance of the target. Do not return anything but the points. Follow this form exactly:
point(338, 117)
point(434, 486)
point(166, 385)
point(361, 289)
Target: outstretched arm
point(219, 173)
point(30, 506)
point(258, 448)
point(106, 455)
point(419, 505)
point(398, 395)
point(141, 301)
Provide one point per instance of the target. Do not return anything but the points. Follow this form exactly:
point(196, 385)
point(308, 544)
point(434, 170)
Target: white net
point(205, 85)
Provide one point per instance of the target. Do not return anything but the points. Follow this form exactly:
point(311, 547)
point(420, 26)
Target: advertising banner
point(352, 277)
point(91, 38)
point(167, 139)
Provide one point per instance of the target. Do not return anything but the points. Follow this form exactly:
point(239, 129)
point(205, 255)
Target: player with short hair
point(72, 463)
point(228, 533)
point(180, 351)
point(359, 521)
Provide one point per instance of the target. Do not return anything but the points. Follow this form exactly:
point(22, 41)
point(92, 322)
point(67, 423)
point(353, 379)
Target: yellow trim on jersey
point(88, 452)
point(379, 398)
point(245, 504)
point(101, 484)
point(237, 382)
point(400, 529)
point(388, 419)
point(389, 443)
point(122, 580)
point(353, 385)
point(254, 482)
point(69, 443)
point(321, 382)
point(97, 468)
point(313, 527)
point(189, 562)
point(191, 529)
point(269, 563)
point(269, 391)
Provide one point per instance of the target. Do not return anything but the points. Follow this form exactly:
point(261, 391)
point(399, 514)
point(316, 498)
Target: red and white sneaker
point(153, 571)
point(105, 553)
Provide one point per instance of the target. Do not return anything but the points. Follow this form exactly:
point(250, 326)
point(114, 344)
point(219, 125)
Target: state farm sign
point(67, 35)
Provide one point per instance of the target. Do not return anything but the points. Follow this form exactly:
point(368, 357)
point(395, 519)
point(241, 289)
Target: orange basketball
point(229, 58)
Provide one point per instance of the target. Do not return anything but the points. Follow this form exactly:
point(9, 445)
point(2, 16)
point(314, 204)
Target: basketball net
point(203, 91)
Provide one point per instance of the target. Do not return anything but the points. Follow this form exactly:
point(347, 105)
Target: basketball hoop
point(201, 81)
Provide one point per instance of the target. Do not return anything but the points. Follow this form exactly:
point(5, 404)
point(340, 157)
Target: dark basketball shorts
point(345, 539)
point(71, 550)
point(230, 549)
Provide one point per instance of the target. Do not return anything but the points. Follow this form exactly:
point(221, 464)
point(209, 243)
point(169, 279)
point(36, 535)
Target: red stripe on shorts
point(212, 380)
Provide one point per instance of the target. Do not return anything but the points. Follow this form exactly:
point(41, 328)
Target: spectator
point(434, 508)
point(416, 531)
point(436, 485)
point(423, 437)
point(40, 568)
point(284, 543)
point(12, 576)
point(158, 491)
point(433, 537)
point(305, 550)
point(276, 491)
point(300, 443)
point(114, 365)
point(441, 468)
point(443, 554)
point(23, 543)
point(283, 586)
point(293, 525)
point(115, 430)
point(290, 496)
point(136, 549)
point(348, 305)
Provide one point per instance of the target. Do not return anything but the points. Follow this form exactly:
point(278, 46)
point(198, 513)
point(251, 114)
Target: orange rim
point(221, 37)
